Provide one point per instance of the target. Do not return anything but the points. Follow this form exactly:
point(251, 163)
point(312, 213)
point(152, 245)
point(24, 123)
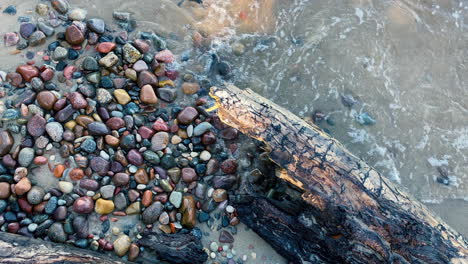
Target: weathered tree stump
point(354, 214)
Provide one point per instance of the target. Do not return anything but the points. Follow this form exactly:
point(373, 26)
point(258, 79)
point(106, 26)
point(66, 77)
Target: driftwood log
point(353, 213)
point(16, 249)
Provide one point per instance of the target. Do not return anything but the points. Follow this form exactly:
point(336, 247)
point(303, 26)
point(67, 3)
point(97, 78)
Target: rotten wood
point(353, 214)
point(16, 249)
point(175, 248)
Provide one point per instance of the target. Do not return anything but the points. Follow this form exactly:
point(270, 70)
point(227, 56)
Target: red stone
point(229, 166)
point(74, 35)
point(14, 79)
point(25, 206)
point(115, 123)
point(172, 75)
point(165, 56)
point(47, 74)
point(145, 132)
point(27, 72)
point(160, 125)
point(83, 205)
point(68, 72)
point(142, 45)
point(106, 47)
point(77, 100)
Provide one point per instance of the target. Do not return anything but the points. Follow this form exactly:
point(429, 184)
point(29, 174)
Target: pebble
point(201, 128)
point(225, 237)
point(11, 39)
point(147, 95)
point(159, 141)
point(77, 14)
point(146, 77)
point(23, 186)
point(187, 115)
point(176, 199)
point(190, 88)
point(36, 125)
point(4, 190)
point(214, 246)
point(90, 64)
point(104, 207)
point(6, 142)
point(107, 191)
point(98, 129)
point(133, 208)
point(189, 175)
point(219, 195)
point(46, 99)
point(97, 25)
point(26, 156)
point(205, 155)
point(130, 53)
point(165, 56)
point(83, 205)
point(189, 211)
point(56, 233)
point(122, 96)
point(42, 9)
point(60, 5)
point(27, 72)
point(26, 29)
point(121, 179)
point(106, 47)
point(74, 35)
point(122, 245)
point(140, 66)
point(55, 131)
point(151, 213)
point(109, 60)
point(37, 38)
point(167, 94)
point(35, 195)
point(65, 187)
point(47, 30)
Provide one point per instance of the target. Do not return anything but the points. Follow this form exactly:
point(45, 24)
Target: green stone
point(164, 183)
point(151, 157)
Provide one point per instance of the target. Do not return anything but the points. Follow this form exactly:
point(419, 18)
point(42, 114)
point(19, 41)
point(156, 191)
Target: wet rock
point(26, 157)
point(104, 207)
point(189, 175)
point(23, 186)
point(26, 29)
point(176, 199)
point(60, 5)
point(56, 233)
point(141, 176)
point(64, 114)
point(147, 77)
point(42, 9)
point(159, 141)
point(122, 245)
point(51, 205)
point(121, 179)
point(11, 39)
point(36, 125)
point(99, 165)
point(147, 95)
point(225, 237)
point(229, 166)
point(220, 195)
point(188, 210)
point(229, 133)
point(135, 157)
point(174, 174)
point(55, 131)
point(151, 214)
point(74, 35)
point(187, 115)
point(133, 252)
point(90, 64)
point(134, 208)
point(109, 60)
point(60, 54)
point(37, 38)
point(6, 142)
point(166, 94)
point(81, 226)
point(130, 53)
point(77, 14)
point(122, 96)
point(120, 201)
point(98, 129)
point(165, 56)
point(190, 88)
point(97, 25)
point(106, 47)
point(46, 99)
point(201, 128)
point(91, 185)
point(224, 182)
point(4, 190)
point(83, 205)
point(27, 72)
point(65, 187)
point(103, 96)
point(35, 195)
point(47, 30)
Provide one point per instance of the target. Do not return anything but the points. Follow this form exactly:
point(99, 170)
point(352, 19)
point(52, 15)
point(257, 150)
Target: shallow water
point(402, 61)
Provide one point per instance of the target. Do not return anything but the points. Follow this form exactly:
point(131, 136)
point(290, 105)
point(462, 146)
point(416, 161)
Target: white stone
point(65, 187)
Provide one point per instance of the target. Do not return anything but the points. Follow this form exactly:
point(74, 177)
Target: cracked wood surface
point(370, 218)
point(16, 249)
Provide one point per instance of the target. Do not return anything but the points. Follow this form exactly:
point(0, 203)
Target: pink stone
point(145, 132)
point(160, 125)
point(47, 74)
point(11, 39)
point(68, 72)
point(165, 56)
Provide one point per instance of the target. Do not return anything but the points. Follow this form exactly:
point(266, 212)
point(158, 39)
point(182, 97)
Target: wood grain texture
point(369, 219)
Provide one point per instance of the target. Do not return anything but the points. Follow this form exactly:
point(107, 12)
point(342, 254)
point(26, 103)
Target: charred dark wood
point(175, 248)
point(16, 249)
point(354, 214)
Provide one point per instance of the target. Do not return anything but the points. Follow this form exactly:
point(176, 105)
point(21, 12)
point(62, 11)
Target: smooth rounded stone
point(165, 56)
point(147, 95)
point(60, 5)
point(205, 155)
point(174, 174)
point(104, 207)
point(159, 141)
point(190, 88)
point(89, 145)
point(135, 157)
point(122, 96)
point(74, 35)
point(25, 157)
point(229, 166)
point(6, 142)
point(121, 179)
point(37, 38)
point(26, 29)
point(122, 245)
point(133, 252)
point(77, 14)
point(176, 199)
point(60, 53)
point(27, 72)
point(83, 205)
point(224, 182)
point(107, 191)
point(168, 161)
point(65, 187)
point(230, 209)
point(97, 25)
point(47, 30)
point(23, 186)
point(189, 175)
point(55, 131)
point(42, 9)
point(115, 123)
point(81, 226)
point(56, 233)
point(77, 100)
point(187, 115)
point(140, 66)
point(35, 195)
point(151, 157)
point(189, 211)
point(167, 94)
point(201, 128)
point(106, 47)
point(46, 99)
point(32, 227)
point(147, 77)
point(99, 165)
point(229, 133)
point(64, 114)
point(51, 205)
point(37, 84)
point(98, 129)
point(36, 125)
point(164, 218)
point(109, 60)
point(225, 237)
point(141, 176)
point(219, 195)
point(90, 64)
point(120, 201)
point(103, 96)
point(130, 53)
point(134, 208)
point(152, 213)
point(4, 190)
point(208, 138)
point(11, 39)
